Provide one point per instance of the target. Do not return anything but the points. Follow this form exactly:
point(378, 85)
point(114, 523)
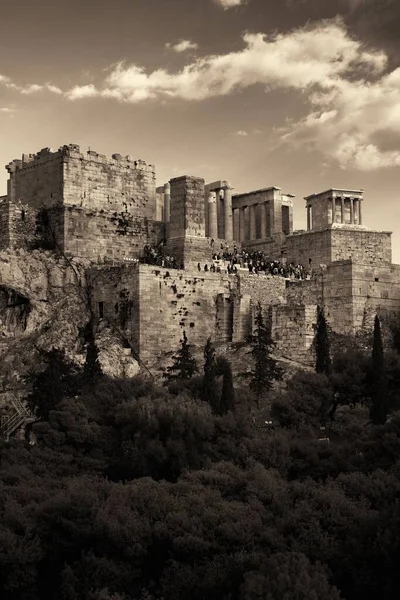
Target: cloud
point(6, 110)
point(82, 91)
point(351, 97)
point(182, 46)
point(301, 59)
point(30, 88)
point(356, 123)
point(227, 4)
point(241, 133)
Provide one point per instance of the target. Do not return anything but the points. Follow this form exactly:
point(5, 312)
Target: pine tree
point(184, 365)
point(322, 345)
point(377, 379)
point(209, 387)
point(266, 369)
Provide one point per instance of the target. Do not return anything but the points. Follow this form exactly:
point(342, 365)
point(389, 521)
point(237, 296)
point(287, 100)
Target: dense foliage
point(136, 492)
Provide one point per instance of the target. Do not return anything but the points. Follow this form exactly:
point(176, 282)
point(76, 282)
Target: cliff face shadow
point(14, 312)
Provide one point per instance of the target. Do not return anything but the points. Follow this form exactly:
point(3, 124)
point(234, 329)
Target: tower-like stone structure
point(335, 232)
point(334, 208)
point(186, 232)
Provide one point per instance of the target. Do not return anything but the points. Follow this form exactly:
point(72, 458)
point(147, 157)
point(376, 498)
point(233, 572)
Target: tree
point(227, 399)
point(91, 368)
point(51, 385)
point(184, 365)
point(266, 369)
point(209, 391)
point(322, 346)
point(377, 379)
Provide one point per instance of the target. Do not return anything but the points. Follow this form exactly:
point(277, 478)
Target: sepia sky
point(300, 94)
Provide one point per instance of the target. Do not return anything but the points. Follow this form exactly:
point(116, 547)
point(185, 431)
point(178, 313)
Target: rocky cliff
point(44, 305)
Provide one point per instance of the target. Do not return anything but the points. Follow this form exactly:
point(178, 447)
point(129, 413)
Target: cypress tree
point(377, 380)
point(184, 365)
point(227, 398)
point(209, 387)
point(322, 345)
point(266, 369)
point(91, 368)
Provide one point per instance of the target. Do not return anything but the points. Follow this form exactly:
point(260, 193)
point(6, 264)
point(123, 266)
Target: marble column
point(263, 211)
point(228, 214)
point(236, 233)
point(253, 232)
point(333, 210)
point(308, 217)
point(359, 212)
point(352, 211)
point(342, 209)
point(242, 224)
point(167, 202)
point(212, 216)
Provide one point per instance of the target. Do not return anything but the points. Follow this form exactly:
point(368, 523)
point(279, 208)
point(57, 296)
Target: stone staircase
point(20, 417)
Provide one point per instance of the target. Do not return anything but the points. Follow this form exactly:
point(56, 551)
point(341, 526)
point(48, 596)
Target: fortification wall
point(116, 184)
point(362, 246)
point(100, 234)
point(4, 222)
point(314, 245)
point(268, 290)
point(375, 289)
point(293, 330)
point(37, 180)
point(199, 303)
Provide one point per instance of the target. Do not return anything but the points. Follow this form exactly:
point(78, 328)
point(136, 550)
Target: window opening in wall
point(100, 306)
point(22, 215)
point(376, 278)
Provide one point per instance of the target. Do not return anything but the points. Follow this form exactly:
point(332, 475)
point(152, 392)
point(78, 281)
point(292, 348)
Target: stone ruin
point(102, 212)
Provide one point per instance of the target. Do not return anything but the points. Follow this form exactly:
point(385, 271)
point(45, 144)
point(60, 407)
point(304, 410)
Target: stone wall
point(303, 246)
point(268, 290)
point(339, 243)
point(4, 222)
point(117, 184)
point(293, 330)
point(363, 246)
point(186, 231)
point(100, 234)
point(375, 289)
point(37, 179)
point(199, 303)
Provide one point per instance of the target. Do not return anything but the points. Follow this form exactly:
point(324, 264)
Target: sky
point(299, 94)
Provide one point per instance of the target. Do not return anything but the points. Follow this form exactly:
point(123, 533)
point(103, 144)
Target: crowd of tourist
point(230, 261)
point(154, 256)
point(257, 262)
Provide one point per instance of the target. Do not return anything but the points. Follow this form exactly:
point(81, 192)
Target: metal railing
point(21, 416)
